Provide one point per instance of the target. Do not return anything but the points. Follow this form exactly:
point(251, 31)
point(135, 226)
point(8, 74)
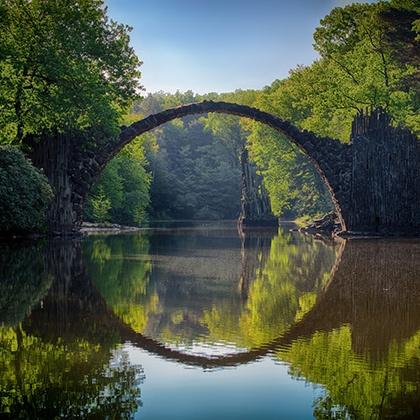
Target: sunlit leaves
point(63, 67)
point(356, 385)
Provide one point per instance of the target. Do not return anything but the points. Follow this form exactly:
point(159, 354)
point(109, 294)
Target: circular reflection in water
point(105, 326)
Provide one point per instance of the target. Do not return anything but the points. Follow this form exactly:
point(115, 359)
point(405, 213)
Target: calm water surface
point(204, 323)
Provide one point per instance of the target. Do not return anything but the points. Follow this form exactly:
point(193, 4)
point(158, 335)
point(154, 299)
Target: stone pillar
point(385, 182)
point(255, 203)
point(70, 170)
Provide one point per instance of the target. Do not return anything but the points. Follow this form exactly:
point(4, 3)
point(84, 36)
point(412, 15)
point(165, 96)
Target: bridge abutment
point(71, 168)
point(385, 178)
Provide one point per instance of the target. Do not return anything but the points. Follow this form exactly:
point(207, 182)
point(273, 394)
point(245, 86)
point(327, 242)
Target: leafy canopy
point(63, 65)
point(368, 58)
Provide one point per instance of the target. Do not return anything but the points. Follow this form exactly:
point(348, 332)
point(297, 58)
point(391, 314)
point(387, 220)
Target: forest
point(369, 57)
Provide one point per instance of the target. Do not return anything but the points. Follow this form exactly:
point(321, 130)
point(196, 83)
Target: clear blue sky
point(220, 45)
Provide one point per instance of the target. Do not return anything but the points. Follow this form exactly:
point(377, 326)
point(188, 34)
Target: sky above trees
point(220, 45)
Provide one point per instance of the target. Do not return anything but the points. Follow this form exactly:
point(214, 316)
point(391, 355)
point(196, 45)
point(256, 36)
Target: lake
point(201, 322)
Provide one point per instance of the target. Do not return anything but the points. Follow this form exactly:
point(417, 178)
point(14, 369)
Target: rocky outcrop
point(385, 177)
point(255, 203)
point(328, 225)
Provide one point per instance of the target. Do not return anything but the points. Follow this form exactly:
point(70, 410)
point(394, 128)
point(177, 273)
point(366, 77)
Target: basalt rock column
point(70, 163)
point(385, 181)
point(255, 203)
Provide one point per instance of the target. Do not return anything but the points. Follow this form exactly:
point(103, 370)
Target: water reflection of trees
point(186, 298)
point(281, 289)
point(62, 360)
point(42, 379)
point(357, 334)
point(366, 348)
point(119, 267)
point(24, 280)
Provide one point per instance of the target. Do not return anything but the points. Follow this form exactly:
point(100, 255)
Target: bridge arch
point(366, 178)
point(331, 158)
point(73, 162)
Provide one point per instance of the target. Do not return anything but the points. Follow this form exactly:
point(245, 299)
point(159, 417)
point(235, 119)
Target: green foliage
point(195, 168)
point(24, 193)
point(194, 176)
point(122, 192)
point(52, 379)
point(284, 288)
point(361, 54)
point(63, 67)
point(357, 387)
point(294, 187)
point(100, 206)
point(123, 282)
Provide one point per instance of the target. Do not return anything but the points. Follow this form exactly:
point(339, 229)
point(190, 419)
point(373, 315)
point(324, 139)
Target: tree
point(194, 176)
point(100, 207)
point(67, 76)
point(124, 186)
point(401, 23)
point(360, 48)
point(24, 193)
point(367, 59)
point(63, 67)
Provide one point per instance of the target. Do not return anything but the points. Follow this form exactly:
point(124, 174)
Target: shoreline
point(325, 228)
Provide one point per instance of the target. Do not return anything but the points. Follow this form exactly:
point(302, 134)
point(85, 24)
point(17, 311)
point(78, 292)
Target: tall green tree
point(63, 66)
point(367, 59)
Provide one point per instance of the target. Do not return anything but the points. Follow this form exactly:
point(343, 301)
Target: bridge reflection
point(345, 316)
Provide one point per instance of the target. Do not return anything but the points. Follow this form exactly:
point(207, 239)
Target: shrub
point(100, 207)
point(24, 193)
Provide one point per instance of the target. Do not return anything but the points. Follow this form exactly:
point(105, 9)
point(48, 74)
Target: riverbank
point(329, 227)
point(92, 228)
point(324, 227)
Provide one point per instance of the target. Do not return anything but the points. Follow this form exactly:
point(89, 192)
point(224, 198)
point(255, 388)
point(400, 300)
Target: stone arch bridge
point(374, 180)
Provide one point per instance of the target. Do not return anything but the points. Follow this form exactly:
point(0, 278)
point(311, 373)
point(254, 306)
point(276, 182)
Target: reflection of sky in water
point(209, 349)
point(260, 390)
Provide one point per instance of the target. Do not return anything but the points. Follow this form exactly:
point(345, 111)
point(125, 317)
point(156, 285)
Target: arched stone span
point(331, 158)
point(374, 180)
